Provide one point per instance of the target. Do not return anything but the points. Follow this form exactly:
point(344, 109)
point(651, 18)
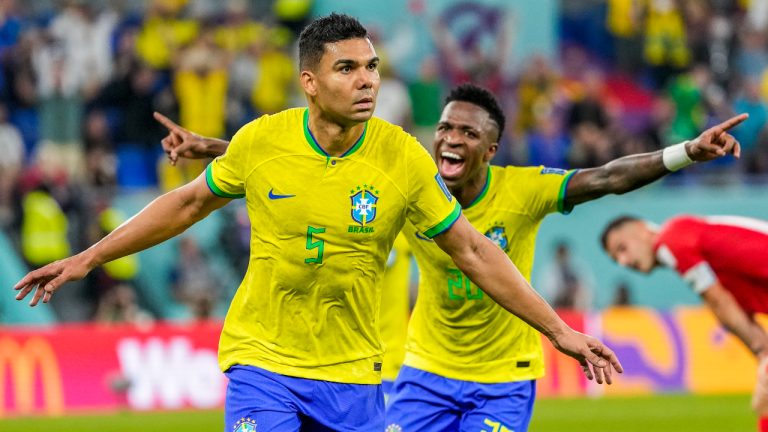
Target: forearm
point(491, 270)
point(735, 320)
point(618, 176)
point(215, 147)
point(745, 328)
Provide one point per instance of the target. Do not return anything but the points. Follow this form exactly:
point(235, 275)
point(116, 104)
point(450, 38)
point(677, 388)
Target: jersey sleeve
point(226, 174)
point(678, 250)
point(546, 190)
point(431, 207)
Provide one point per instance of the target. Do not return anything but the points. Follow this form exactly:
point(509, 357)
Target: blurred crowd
point(80, 79)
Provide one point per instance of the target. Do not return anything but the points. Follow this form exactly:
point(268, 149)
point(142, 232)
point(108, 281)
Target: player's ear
point(308, 82)
point(491, 152)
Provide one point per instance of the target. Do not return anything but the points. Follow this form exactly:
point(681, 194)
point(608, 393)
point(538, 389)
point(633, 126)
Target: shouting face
point(465, 141)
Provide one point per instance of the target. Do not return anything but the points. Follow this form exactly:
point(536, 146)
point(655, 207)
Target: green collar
point(483, 192)
point(315, 146)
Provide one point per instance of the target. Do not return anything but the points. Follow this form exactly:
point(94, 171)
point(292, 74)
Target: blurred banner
point(92, 367)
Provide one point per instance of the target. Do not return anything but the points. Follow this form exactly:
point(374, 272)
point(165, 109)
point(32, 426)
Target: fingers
point(603, 360)
point(587, 370)
point(730, 123)
point(168, 123)
point(169, 144)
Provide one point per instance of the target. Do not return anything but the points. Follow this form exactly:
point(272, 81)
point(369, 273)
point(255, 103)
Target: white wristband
point(675, 157)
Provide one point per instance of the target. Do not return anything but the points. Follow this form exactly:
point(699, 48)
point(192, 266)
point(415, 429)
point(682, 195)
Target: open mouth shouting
point(451, 164)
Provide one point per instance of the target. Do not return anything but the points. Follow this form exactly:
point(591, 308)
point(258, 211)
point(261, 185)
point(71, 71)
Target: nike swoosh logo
point(274, 196)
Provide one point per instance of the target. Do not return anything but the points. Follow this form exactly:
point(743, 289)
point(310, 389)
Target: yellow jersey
point(395, 307)
point(321, 230)
point(456, 330)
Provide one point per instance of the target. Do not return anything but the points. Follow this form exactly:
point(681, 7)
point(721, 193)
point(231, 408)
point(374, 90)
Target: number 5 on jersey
point(312, 244)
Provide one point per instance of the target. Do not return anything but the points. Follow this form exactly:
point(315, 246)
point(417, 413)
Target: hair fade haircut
point(324, 30)
point(481, 97)
point(615, 224)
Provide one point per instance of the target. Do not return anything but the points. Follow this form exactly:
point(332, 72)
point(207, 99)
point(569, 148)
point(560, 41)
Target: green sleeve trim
point(446, 223)
point(215, 189)
point(561, 208)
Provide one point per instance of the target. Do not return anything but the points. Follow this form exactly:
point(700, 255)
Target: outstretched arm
point(735, 320)
point(181, 142)
point(165, 217)
point(631, 172)
point(490, 269)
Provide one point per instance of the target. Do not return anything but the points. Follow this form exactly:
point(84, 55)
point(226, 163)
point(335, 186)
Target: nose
point(622, 260)
point(451, 138)
point(366, 79)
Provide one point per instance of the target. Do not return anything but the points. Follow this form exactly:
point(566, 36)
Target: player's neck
point(333, 137)
point(468, 192)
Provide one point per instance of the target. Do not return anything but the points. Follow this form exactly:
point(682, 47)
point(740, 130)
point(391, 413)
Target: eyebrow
point(350, 62)
point(461, 127)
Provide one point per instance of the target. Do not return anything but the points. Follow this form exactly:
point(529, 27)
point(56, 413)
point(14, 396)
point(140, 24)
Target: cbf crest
point(498, 236)
point(245, 425)
point(364, 202)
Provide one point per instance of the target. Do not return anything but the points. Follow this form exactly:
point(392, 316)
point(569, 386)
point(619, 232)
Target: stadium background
point(582, 82)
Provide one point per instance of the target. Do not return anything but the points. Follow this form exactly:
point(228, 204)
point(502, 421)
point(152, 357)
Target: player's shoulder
point(382, 130)
point(391, 144)
point(681, 222)
point(512, 176)
point(681, 230)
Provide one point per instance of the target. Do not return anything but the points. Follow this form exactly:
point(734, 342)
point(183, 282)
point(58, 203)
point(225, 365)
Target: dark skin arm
point(632, 172)
point(181, 142)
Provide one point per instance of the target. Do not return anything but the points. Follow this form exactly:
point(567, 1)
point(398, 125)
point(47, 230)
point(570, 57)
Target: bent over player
point(723, 258)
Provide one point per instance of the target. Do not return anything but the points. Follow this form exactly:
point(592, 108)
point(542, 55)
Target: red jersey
point(730, 249)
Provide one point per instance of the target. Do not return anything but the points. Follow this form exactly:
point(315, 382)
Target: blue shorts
point(422, 401)
point(259, 400)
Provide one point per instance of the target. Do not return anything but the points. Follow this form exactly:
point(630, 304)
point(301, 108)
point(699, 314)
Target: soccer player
point(723, 258)
point(469, 364)
point(328, 188)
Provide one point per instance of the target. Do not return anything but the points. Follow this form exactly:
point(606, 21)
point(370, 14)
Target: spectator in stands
point(426, 93)
point(665, 34)
point(163, 33)
point(120, 305)
point(200, 80)
point(22, 88)
point(192, 278)
point(101, 283)
point(134, 97)
point(43, 228)
point(11, 164)
point(567, 283)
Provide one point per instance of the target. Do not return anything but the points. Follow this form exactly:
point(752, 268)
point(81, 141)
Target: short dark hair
point(328, 29)
point(481, 97)
point(615, 224)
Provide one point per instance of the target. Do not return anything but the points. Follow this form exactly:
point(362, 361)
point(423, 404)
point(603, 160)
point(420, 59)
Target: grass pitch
point(668, 413)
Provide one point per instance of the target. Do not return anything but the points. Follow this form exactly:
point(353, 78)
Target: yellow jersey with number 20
point(456, 330)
